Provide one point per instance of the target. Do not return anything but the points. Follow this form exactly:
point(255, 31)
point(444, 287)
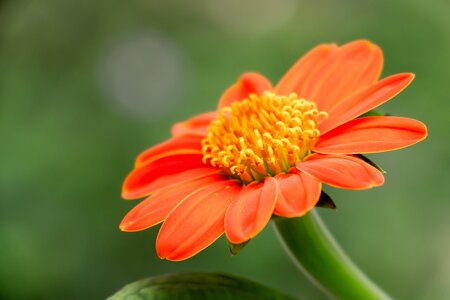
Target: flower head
point(263, 135)
point(267, 150)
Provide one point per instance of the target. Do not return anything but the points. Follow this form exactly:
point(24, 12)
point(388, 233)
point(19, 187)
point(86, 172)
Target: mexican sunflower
point(268, 149)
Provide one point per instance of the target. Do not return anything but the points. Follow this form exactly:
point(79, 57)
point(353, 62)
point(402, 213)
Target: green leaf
point(370, 162)
point(236, 248)
point(325, 201)
point(196, 286)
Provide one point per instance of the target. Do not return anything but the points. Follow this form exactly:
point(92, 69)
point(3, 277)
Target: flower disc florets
point(261, 136)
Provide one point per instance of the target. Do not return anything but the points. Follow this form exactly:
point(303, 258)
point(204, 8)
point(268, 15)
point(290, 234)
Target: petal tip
point(379, 182)
point(160, 254)
point(124, 194)
point(172, 256)
point(127, 226)
point(123, 226)
point(129, 195)
point(247, 216)
point(237, 240)
point(365, 42)
point(248, 83)
point(408, 77)
point(161, 251)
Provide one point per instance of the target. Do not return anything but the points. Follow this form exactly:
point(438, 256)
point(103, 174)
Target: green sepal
point(370, 162)
point(236, 248)
point(373, 113)
point(196, 286)
point(325, 201)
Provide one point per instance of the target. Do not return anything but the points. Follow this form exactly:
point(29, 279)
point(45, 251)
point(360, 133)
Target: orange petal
point(173, 146)
point(251, 210)
point(197, 126)
point(137, 183)
point(371, 134)
point(157, 207)
point(365, 100)
point(196, 222)
point(180, 178)
point(298, 193)
point(328, 73)
point(352, 67)
point(300, 74)
point(248, 83)
point(342, 171)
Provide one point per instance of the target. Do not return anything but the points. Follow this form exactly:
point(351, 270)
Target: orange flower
point(267, 150)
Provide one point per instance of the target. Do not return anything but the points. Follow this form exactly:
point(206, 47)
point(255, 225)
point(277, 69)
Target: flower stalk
point(318, 255)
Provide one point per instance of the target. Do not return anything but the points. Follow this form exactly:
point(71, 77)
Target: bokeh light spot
point(142, 75)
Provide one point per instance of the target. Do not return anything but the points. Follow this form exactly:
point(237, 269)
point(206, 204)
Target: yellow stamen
point(261, 136)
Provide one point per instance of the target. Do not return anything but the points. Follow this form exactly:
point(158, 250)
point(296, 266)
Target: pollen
point(261, 136)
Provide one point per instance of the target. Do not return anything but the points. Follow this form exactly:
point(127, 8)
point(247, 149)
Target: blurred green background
point(86, 85)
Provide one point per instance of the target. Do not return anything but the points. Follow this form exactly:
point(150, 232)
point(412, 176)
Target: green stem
point(319, 256)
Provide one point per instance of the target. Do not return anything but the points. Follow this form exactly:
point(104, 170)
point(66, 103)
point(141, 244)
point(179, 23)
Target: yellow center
point(261, 136)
